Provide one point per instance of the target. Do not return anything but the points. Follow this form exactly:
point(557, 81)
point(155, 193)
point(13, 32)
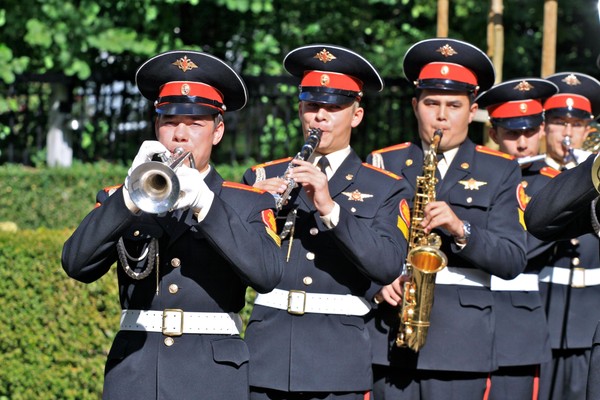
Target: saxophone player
point(307, 338)
point(476, 217)
point(516, 115)
point(570, 284)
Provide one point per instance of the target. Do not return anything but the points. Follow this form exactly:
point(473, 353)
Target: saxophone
point(423, 261)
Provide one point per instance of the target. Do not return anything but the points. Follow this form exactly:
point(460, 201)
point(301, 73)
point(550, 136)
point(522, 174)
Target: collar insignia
point(324, 56)
point(356, 195)
point(185, 64)
point(472, 184)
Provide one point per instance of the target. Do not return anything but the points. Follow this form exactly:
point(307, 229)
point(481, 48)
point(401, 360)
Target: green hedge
point(59, 198)
point(56, 332)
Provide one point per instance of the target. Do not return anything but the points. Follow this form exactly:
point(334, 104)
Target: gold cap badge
point(524, 86)
point(185, 64)
point(446, 51)
point(324, 56)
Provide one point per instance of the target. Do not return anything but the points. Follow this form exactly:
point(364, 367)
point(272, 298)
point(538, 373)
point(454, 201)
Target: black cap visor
point(516, 123)
point(444, 84)
point(568, 112)
point(328, 95)
point(186, 109)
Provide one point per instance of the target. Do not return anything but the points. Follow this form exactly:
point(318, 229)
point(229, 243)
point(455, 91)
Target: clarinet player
point(340, 230)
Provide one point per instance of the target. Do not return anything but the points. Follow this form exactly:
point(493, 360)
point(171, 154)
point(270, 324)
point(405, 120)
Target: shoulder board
point(237, 185)
point(487, 150)
point(383, 171)
point(111, 189)
point(394, 147)
point(549, 172)
point(274, 162)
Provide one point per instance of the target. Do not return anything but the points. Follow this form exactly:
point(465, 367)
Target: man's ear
point(357, 116)
point(218, 133)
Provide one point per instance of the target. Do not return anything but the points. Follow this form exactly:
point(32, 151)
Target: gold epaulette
point(242, 186)
point(549, 172)
point(399, 146)
point(487, 150)
point(274, 162)
point(383, 171)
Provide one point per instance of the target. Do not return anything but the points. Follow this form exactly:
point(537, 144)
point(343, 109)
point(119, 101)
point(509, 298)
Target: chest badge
point(356, 195)
point(472, 184)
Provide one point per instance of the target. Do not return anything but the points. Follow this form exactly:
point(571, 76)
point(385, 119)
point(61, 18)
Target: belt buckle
point(172, 330)
point(578, 277)
point(296, 302)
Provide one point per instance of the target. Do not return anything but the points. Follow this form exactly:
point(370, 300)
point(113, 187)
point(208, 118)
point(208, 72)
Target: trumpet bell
point(154, 187)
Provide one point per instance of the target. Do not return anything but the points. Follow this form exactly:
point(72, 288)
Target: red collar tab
point(519, 108)
point(568, 100)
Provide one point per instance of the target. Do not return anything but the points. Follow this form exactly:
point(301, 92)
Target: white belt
point(175, 322)
point(299, 302)
point(522, 283)
point(462, 276)
point(575, 277)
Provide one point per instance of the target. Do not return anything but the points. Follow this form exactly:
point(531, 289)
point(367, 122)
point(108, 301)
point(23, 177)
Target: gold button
point(310, 255)
point(169, 341)
point(574, 241)
point(136, 233)
point(176, 262)
point(173, 288)
point(353, 209)
point(575, 261)
point(314, 231)
point(469, 200)
point(307, 280)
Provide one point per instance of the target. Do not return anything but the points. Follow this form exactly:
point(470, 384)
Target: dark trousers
point(565, 377)
point(404, 384)
point(269, 394)
point(515, 383)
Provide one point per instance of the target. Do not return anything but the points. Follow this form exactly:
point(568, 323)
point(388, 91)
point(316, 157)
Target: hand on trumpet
point(193, 191)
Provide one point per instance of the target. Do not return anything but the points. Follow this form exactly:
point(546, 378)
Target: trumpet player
point(182, 273)
point(522, 338)
point(340, 230)
point(476, 216)
point(570, 283)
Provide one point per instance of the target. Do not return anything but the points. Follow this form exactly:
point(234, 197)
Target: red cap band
point(332, 80)
point(512, 109)
point(448, 71)
point(568, 100)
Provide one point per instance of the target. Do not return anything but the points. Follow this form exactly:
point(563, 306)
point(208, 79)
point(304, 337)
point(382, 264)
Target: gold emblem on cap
point(324, 80)
point(185, 89)
point(571, 80)
point(444, 70)
point(524, 86)
point(324, 56)
point(523, 107)
point(570, 102)
point(356, 196)
point(446, 50)
point(185, 64)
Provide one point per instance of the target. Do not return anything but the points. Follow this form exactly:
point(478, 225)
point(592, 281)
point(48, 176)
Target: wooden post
point(549, 40)
point(495, 50)
point(442, 18)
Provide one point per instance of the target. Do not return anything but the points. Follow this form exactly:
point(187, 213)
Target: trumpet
point(570, 155)
point(154, 186)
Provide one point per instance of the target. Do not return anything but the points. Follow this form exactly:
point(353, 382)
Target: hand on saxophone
point(194, 193)
point(147, 150)
point(438, 214)
point(392, 293)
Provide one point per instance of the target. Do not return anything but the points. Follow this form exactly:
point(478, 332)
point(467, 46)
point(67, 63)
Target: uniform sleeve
point(91, 250)
point(250, 245)
point(562, 208)
point(498, 246)
point(377, 247)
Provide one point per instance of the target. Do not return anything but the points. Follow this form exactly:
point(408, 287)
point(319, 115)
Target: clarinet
point(314, 137)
